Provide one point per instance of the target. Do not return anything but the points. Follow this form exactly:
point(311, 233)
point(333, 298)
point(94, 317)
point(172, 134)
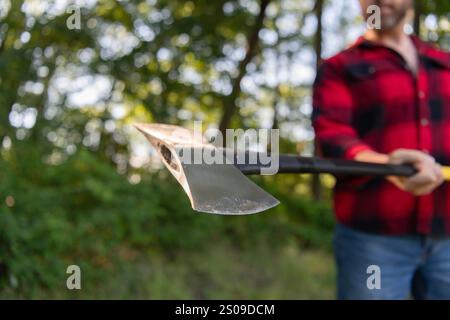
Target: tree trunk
point(316, 187)
point(252, 44)
point(417, 16)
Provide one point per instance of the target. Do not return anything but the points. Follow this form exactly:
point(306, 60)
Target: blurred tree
point(165, 61)
point(437, 12)
point(418, 9)
point(316, 187)
point(252, 44)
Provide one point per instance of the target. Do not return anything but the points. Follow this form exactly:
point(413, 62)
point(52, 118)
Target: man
point(386, 99)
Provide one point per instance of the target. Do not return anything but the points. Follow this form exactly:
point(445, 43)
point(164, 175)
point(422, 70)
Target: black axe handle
point(297, 164)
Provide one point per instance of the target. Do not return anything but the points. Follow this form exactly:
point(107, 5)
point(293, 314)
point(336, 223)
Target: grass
point(220, 272)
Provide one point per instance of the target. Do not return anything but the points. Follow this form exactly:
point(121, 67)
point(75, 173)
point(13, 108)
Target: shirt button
point(424, 122)
point(421, 94)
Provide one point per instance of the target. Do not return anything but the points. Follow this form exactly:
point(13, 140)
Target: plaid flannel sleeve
point(332, 117)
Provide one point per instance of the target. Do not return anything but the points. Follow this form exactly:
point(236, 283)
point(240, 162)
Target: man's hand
point(428, 177)
point(429, 173)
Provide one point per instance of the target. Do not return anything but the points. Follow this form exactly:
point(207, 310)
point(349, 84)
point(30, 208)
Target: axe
point(223, 188)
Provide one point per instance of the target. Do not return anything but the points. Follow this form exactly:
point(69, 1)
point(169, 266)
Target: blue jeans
point(371, 266)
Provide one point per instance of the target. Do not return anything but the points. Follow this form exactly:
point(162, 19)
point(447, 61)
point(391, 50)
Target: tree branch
point(253, 40)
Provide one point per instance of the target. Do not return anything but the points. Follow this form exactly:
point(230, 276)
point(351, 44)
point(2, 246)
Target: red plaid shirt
point(366, 98)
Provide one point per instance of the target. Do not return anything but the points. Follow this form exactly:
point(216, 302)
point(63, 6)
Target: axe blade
point(211, 188)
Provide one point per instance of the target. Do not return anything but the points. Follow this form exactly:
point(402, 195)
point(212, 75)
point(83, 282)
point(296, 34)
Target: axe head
point(211, 188)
